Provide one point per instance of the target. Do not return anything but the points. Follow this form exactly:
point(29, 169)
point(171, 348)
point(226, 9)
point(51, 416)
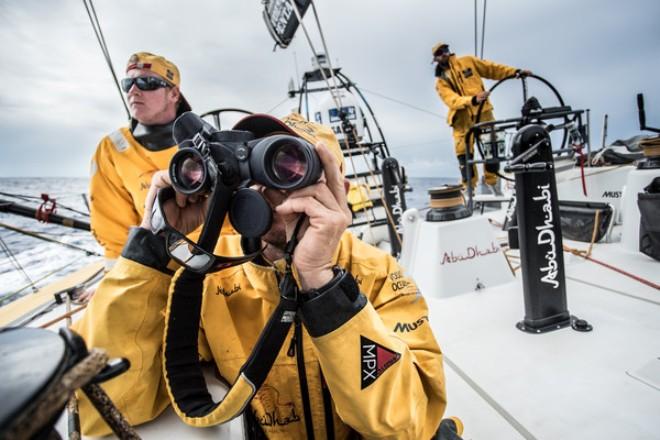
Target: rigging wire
point(16, 263)
point(334, 88)
point(278, 104)
point(89, 5)
point(483, 30)
point(419, 144)
point(337, 101)
point(52, 240)
point(398, 101)
point(475, 29)
point(10, 296)
point(327, 52)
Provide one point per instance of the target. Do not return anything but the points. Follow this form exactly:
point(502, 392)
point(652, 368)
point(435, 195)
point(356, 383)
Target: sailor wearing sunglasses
point(125, 160)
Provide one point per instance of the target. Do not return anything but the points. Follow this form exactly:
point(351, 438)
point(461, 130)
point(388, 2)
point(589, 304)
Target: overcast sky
point(57, 98)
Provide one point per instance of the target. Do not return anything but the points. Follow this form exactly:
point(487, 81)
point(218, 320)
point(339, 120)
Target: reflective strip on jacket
point(383, 366)
point(461, 81)
point(120, 179)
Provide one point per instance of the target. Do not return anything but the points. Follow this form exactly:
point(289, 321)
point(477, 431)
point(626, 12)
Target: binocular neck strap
point(185, 382)
point(218, 208)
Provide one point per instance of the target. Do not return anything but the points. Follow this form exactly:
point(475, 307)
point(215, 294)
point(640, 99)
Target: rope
point(69, 313)
point(109, 412)
point(28, 423)
point(51, 240)
point(447, 203)
point(594, 232)
point(104, 48)
point(16, 263)
point(72, 404)
point(584, 255)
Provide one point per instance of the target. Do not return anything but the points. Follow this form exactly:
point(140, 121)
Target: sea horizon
point(26, 260)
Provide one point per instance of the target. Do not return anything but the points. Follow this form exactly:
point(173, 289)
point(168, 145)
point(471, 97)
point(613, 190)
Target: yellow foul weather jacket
point(121, 172)
point(371, 364)
point(461, 81)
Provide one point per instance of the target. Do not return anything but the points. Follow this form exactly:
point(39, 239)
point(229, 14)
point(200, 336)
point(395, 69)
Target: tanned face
point(152, 107)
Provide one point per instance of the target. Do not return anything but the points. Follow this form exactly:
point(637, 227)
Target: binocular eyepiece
point(279, 161)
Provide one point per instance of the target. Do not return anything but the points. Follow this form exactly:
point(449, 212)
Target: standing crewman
point(459, 84)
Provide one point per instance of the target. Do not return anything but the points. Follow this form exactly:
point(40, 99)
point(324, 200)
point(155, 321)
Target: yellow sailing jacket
point(461, 81)
point(380, 362)
point(121, 172)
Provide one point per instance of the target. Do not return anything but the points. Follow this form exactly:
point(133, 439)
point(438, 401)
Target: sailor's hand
point(523, 73)
point(183, 213)
point(328, 216)
point(481, 96)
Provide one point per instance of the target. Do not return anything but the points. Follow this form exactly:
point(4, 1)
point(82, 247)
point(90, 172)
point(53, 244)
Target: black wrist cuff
point(328, 308)
point(143, 247)
point(474, 100)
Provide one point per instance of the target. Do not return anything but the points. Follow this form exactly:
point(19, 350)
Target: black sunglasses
point(188, 253)
point(144, 83)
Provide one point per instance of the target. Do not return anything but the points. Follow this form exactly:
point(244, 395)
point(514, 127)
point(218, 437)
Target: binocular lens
point(188, 171)
point(289, 164)
point(192, 171)
point(284, 162)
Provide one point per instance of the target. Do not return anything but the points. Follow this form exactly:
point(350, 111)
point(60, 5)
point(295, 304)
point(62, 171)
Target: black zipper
point(296, 347)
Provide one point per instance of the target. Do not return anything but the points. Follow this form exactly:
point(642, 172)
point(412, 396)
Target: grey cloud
point(598, 53)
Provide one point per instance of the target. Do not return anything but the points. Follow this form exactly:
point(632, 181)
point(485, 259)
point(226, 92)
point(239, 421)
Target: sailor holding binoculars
point(347, 366)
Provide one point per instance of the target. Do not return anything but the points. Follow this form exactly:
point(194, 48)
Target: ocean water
point(32, 261)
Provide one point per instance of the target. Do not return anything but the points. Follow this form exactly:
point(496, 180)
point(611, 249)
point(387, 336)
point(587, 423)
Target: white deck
point(563, 384)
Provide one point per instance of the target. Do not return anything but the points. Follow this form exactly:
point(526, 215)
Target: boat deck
point(506, 384)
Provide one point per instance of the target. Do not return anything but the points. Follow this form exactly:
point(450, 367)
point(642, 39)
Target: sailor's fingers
point(327, 222)
point(333, 176)
point(320, 192)
point(160, 179)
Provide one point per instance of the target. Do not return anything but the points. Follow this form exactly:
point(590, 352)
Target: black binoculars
point(279, 161)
